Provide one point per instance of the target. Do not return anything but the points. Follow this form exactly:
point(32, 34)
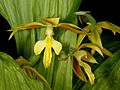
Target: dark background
point(101, 10)
point(7, 46)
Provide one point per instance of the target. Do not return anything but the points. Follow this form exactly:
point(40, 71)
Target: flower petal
point(57, 46)
point(88, 71)
point(47, 57)
point(53, 21)
point(33, 25)
point(82, 12)
point(70, 27)
point(39, 46)
point(26, 26)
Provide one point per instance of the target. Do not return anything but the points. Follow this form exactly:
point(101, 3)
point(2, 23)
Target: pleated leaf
point(59, 74)
point(63, 75)
point(19, 12)
point(12, 76)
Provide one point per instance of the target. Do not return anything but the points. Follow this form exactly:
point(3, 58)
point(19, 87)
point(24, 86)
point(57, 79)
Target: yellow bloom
point(48, 44)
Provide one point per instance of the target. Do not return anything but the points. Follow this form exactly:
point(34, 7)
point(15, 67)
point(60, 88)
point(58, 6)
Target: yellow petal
point(70, 27)
point(88, 71)
point(78, 55)
point(39, 46)
point(47, 57)
point(95, 38)
point(26, 26)
point(53, 21)
point(11, 35)
point(48, 41)
point(106, 52)
point(82, 12)
point(109, 26)
point(33, 25)
point(57, 46)
point(92, 46)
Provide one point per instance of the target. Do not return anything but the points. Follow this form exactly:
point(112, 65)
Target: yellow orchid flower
point(48, 44)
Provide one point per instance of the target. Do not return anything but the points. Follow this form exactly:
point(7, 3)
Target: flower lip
point(47, 44)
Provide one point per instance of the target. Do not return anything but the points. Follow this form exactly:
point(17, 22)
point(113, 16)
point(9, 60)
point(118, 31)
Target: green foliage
point(19, 12)
point(12, 76)
point(29, 14)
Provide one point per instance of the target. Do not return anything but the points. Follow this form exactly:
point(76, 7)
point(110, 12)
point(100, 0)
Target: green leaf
point(19, 13)
point(12, 76)
point(90, 19)
point(63, 70)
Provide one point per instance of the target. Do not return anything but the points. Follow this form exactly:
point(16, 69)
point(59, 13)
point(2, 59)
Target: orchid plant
point(92, 30)
point(45, 56)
